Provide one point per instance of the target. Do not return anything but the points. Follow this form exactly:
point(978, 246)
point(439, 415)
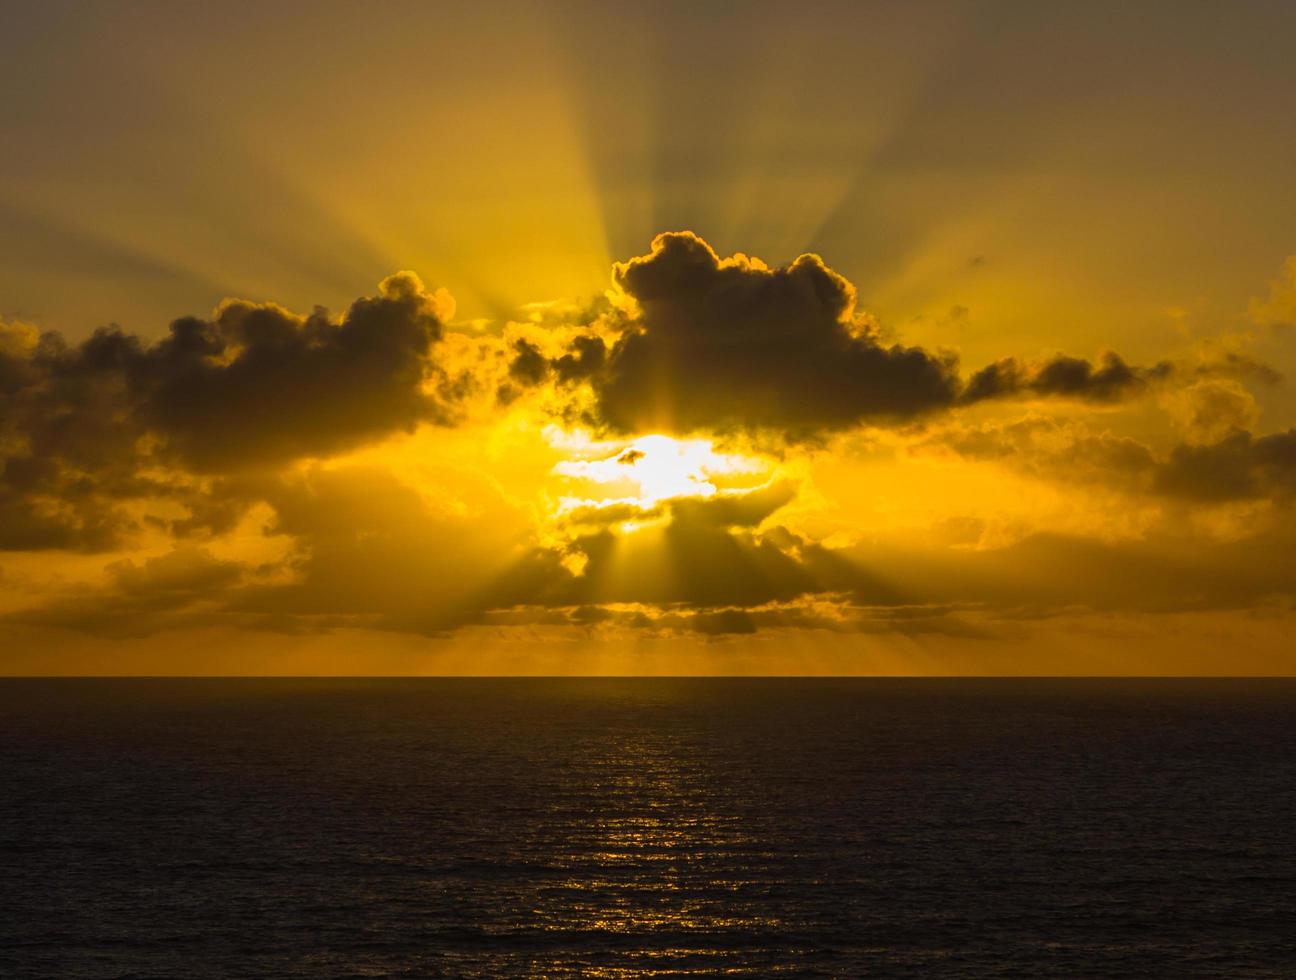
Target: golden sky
point(896, 338)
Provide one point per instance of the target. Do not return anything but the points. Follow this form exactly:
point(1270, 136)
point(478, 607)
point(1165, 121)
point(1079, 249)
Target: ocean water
point(636, 828)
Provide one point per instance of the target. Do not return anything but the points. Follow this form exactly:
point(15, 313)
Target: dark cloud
point(1238, 467)
point(258, 384)
point(700, 556)
point(529, 366)
point(1063, 377)
point(254, 387)
point(711, 344)
point(733, 343)
point(57, 519)
point(586, 359)
point(730, 343)
point(68, 440)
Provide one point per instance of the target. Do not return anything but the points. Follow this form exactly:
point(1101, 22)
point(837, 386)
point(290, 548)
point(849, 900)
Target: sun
point(644, 472)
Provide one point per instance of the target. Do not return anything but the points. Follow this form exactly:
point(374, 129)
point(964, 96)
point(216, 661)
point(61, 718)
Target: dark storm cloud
point(253, 387)
point(730, 343)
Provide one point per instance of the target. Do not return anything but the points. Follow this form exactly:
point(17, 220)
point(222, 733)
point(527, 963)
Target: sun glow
point(642, 473)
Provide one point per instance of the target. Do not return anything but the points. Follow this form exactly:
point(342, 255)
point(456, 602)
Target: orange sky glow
point(950, 338)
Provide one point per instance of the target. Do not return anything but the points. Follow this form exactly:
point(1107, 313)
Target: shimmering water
point(629, 828)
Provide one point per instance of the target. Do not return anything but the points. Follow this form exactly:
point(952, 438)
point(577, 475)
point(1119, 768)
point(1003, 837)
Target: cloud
point(1239, 466)
point(257, 384)
point(747, 508)
point(1047, 574)
point(186, 571)
point(186, 586)
point(586, 359)
point(687, 340)
point(1210, 409)
point(529, 366)
point(889, 587)
point(71, 521)
point(368, 551)
point(1062, 377)
point(689, 562)
point(68, 440)
point(254, 387)
point(1215, 363)
point(1233, 466)
point(738, 508)
point(719, 344)
point(239, 409)
point(731, 342)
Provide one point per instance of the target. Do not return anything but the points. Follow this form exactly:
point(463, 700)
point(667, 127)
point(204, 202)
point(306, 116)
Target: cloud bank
point(151, 453)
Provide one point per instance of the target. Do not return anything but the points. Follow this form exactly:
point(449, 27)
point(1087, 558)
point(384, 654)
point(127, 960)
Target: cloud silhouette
point(253, 387)
point(718, 344)
point(1063, 377)
point(731, 342)
point(258, 384)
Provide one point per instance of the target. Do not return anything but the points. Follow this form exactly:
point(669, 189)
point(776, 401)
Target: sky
point(565, 338)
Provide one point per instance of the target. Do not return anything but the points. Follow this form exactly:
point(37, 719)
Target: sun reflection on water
point(650, 876)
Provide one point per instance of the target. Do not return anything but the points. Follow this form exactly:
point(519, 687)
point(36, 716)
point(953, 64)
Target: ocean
point(647, 827)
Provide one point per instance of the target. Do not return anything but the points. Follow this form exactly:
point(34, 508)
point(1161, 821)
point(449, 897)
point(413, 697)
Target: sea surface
point(638, 828)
